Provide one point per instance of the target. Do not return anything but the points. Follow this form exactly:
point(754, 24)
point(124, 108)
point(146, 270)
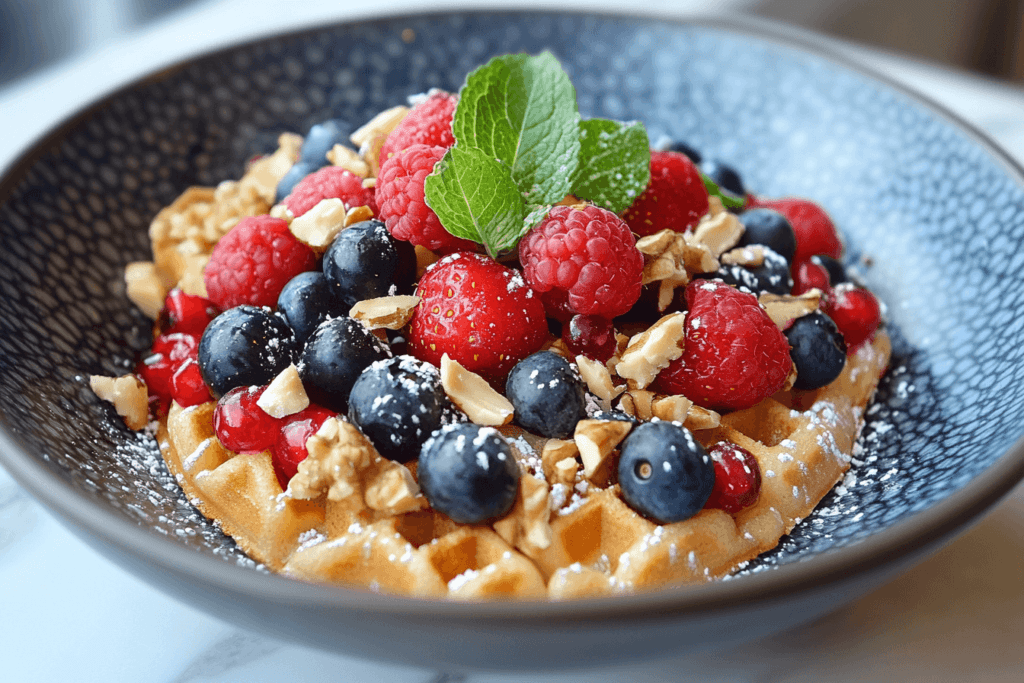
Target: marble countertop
point(71, 615)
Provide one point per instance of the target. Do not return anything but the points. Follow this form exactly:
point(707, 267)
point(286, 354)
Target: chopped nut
point(145, 288)
point(597, 440)
point(598, 378)
point(348, 159)
point(284, 395)
point(339, 455)
point(129, 396)
point(785, 308)
point(665, 262)
point(192, 281)
point(555, 451)
point(394, 491)
point(565, 471)
point(719, 233)
point(372, 135)
point(388, 312)
point(473, 395)
point(701, 418)
point(643, 403)
point(283, 212)
point(320, 225)
point(369, 183)
point(652, 350)
point(626, 405)
point(424, 259)
point(558, 346)
point(526, 526)
point(671, 408)
point(358, 214)
point(750, 256)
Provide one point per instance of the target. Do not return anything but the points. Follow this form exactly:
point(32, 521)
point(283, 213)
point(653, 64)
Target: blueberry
point(683, 148)
point(724, 176)
point(770, 228)
point(366, 262)
point(306, 301)
point(836, 271)
point(397, 403)
point(335, 355)
point(321, 138)
point(468, 472)
point(818, 350)
point(771, 276)
point(245, 346)
point(296, 173)
point(664, 474)
point(548, 395)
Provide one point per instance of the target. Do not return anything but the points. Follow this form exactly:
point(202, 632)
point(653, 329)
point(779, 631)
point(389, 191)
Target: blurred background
point(982, 36)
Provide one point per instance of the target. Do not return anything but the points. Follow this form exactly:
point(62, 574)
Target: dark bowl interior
point(935, 208)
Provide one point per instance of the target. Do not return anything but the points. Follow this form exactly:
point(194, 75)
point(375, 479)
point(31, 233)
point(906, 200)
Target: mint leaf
point(522, 111)
point(475, 198)
point(729, 200)
point(615, 163)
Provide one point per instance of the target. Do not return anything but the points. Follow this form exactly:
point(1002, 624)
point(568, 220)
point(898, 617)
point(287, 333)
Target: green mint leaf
point(729, 200)
point(535, 214)
point(475, 198)
point(522, 110)
point(615, 163)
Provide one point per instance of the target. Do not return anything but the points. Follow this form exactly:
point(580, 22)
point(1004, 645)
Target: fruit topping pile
point(489, 266)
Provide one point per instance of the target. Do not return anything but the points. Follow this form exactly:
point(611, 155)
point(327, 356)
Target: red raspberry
point(403, 208)
point(290, 446)
point(429, 123)
point(808, 275)
point(734, 355)
point(253, 262)
point(590, 336)
point(856, 313)
point(330, 182)
point(590, 254)
point(241, 425)
point(187, 386)
point(170, 352)
point(479, 312)
point(186, 313)
point(815, 231)
point(737, 478)
point(675, 197)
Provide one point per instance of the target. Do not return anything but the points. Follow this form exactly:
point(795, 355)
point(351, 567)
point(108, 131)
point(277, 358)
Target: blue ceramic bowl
point(937, 209)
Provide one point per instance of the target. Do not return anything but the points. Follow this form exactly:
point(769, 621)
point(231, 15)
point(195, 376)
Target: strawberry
point(479, 312)
point(675, 197)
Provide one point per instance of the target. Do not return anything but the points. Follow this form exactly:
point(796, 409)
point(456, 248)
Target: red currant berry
point(290, 447)
point(807, 276)
point(187, 386)
point(241, 425)
point(591, 336)
point(737, 478)
point(157, 370)
point(856, 313)
point(186, 313)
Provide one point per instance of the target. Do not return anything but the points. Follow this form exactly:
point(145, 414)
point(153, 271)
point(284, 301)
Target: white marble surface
point(67, 614)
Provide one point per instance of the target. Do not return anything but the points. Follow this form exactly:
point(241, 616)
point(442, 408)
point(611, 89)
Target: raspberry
point(815, 231)
point(734, 355)
point(290, 446)
point(186, 313)
point(479, 312)
point(402, 205)
point(241, 425)
point(590, 254)
point(429, 123)
point(856, 313)
point(253, 262)
point(330, 182)
point(187, 386)
point(675, 197)
point(737, 478)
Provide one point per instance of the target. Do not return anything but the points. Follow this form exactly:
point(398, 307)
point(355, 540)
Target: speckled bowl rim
point(902, 542)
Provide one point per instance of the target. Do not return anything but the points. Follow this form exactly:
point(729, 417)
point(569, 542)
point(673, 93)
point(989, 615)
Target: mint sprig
point(521, 147)
point(729, 200)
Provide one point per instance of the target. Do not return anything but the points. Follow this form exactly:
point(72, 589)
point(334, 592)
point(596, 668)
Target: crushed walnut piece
point(598, 378)
point(129, 396)
point(386, 312)
point(473, 395)
point(671, 408)
point(348, 159)
point(699, 417)
point(526, 526)
point(783, 309)
point(318, 227)
point(719, 233)
point(339, 456)
point(555, 451)
point(652, 350)
point(284, 395)
point(394, 491)
point(358, 214)
point(597, 441)
point(750, 256)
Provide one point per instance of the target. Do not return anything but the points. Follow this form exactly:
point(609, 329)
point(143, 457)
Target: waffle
point(377, 532)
